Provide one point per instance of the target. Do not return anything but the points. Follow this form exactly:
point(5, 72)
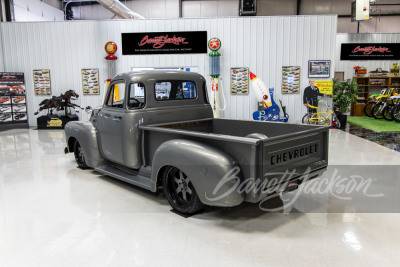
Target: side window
point(116, 95)
point(175, 90)
point(136, 96)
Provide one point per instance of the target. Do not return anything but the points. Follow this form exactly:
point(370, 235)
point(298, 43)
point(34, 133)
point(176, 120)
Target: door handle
point(118, 118)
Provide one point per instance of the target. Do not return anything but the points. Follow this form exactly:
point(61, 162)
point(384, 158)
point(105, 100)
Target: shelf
point(366, 89)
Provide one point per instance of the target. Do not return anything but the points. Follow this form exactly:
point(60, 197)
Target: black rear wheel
point(179, 191)
point(80, 156)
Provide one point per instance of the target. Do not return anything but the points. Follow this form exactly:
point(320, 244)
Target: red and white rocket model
point(261, 90)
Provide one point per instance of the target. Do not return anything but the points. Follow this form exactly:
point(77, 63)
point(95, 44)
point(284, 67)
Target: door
point(110, 123)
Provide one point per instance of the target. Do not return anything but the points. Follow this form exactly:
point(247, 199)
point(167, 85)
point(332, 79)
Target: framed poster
point(41, 82)
point(239, 81)
point(319, 68)
point(12, 97)
point(290, 79)
point(142, 43)
point(90, 81)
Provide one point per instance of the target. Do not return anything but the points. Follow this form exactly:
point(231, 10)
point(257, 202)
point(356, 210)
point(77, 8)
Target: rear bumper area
point(258, 194)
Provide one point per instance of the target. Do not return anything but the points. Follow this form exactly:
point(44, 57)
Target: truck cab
point(144, 98)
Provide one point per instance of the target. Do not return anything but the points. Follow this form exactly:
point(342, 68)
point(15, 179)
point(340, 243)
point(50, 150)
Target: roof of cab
point(158, 75)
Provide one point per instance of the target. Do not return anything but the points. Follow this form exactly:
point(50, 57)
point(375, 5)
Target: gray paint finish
point(182, 133)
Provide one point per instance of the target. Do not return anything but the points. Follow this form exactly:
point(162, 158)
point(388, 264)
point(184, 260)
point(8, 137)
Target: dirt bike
point(382, 109)
point(368, 107)
point(395, 113)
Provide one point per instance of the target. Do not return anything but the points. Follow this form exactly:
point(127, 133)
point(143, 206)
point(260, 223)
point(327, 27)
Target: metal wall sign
point(12, 97)
point(141, 43)
point(370, 51)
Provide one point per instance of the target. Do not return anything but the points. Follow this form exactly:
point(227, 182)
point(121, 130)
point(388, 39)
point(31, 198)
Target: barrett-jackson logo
point(144, 43)
point(160, 41)
point(371, 49)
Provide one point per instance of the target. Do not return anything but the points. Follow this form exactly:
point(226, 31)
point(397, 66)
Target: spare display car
point(168, 139)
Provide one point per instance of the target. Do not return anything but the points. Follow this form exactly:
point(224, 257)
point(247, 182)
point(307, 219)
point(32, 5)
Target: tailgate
point(294, 155)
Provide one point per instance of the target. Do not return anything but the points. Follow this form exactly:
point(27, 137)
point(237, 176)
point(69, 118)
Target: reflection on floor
point(54, 214)
point(386, 139)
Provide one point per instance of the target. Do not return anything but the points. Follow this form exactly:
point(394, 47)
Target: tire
point(368, 109)
point(336, 121)
point(387, 112)
point(306, 119)
point(396, 113)
point(180, 192)
point(80, 156)
point(377, 111)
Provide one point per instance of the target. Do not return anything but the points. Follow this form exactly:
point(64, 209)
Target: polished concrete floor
point(54, 214)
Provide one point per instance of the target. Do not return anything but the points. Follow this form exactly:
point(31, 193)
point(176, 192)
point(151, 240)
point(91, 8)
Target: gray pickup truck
point(156, 130)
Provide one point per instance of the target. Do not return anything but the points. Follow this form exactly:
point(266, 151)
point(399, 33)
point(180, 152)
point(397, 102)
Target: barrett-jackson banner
point(141, 43)
point(370, 51)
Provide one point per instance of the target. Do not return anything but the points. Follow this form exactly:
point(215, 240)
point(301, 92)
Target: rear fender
point(206, 166)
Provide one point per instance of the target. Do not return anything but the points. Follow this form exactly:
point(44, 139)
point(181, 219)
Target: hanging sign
point(164, 43)
point(370, 51)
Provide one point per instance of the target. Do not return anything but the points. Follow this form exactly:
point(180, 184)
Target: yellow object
point(325, 86)
point(116, 92)
point(54, 123)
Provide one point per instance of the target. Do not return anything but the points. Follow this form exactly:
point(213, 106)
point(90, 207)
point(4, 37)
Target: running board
point(138, 180)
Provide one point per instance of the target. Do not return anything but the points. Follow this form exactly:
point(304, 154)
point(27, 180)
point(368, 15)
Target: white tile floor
point(53, 214)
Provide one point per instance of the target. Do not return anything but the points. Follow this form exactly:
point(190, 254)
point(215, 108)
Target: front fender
point(206, 167)
point(85, 133)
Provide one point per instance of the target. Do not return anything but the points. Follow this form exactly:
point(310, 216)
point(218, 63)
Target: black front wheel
point(387, 112)
point(377, 111)
point(80, 156)
point(179, 191)
point(396, 113)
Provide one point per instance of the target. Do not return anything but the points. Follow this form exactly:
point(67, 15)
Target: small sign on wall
point(324, 86)
point(90, 81)
point(239, 81)
point(41, 82)
point(290, 79)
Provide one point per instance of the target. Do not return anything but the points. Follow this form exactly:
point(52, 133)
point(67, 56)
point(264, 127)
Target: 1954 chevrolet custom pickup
point(156, 130)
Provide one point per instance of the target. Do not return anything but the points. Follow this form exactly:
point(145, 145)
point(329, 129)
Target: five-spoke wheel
point(179, 191)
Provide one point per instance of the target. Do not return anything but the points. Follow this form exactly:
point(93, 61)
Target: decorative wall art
point(41, 82)
point(290, 79)
point(90, 81)
point(319, 68)
point(239, 81)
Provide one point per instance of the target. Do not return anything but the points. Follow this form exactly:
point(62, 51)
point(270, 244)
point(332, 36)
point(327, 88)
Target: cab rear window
point(175, 90)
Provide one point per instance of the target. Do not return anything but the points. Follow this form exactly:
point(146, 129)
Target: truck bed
point(276, 147)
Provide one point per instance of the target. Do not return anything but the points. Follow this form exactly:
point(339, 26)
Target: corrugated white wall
point(36, 10)
point(347, 65)
point(264, 44)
